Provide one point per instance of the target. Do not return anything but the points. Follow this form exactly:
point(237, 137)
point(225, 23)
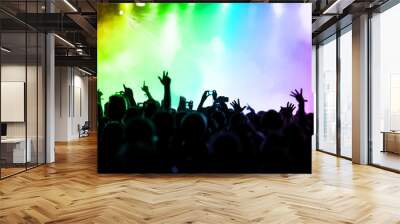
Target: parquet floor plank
point(71, 191)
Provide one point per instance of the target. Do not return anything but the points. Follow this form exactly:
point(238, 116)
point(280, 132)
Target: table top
point(391, 132)
point(13, 140)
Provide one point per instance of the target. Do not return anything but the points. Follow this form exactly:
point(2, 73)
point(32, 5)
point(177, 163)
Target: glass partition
point(22, 78)
point(31, 98)
point(41, 96)
point(385, 89)
point(346, 93)
point(327, 95)
point(14, 153)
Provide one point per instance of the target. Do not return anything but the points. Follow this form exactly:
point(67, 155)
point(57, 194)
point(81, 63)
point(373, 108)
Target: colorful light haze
point(257, 52)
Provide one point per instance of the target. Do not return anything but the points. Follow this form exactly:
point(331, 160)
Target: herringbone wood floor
point(71, 191)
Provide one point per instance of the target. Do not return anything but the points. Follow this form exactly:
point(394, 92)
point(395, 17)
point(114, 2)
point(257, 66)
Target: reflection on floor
point(8, 170)
point(386, 159)
point(71, 191)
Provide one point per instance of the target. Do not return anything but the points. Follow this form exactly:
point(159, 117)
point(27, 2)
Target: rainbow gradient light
point(257, 52)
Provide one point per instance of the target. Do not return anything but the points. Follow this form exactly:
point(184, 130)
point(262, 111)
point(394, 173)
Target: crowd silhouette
point(152, 137)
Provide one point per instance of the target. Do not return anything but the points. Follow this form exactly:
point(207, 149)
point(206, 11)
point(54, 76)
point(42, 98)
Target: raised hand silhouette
point(300, 99)
point(127, 91)
point(190, 105)
point(165, 80)
point(250, 109)
point(287, 112)
point(290, 107)
point(298, 96)
point(236, 106)
point(128, 94)
point(206, 93)
point(146, 91)
point(145, 88)
point(214, 95)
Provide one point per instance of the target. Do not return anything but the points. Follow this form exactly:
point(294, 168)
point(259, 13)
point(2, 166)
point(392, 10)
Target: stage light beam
point(278, 9)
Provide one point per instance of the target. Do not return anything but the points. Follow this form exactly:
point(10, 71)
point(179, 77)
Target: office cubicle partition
point(22, 90)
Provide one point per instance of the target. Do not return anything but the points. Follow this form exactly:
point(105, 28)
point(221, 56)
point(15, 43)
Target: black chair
point(84, 130)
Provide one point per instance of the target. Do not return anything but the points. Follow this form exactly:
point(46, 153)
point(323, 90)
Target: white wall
point(61, 103)
point(71, 102)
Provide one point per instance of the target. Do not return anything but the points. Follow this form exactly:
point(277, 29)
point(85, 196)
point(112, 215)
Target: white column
point(50, 99)
point(50, 92)
point(314, 90)
point(360, 90)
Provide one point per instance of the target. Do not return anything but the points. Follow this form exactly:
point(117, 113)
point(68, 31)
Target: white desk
point(17, 145)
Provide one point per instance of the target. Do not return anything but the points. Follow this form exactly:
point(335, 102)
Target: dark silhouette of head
point(219, 118)
point(254, 120)
point(194, 126)
point(178, 119)
point(225, 149)
point(225, 142)
point(286, 114)
point(150, 107)
point(116, 107)
point(271, 121)
point(140, 130)
point(237, 120)
point(131, 113)
point(164, 123)
point(139, 152)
